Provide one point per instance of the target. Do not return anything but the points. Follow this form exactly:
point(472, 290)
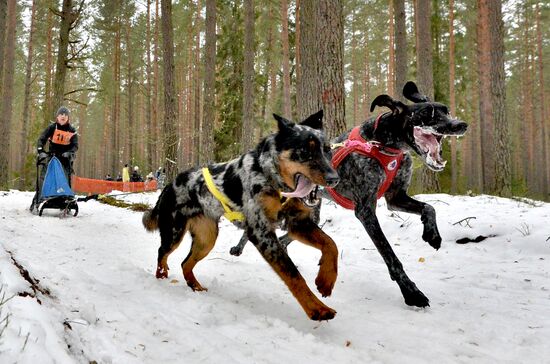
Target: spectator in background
point(125, 174)
point(108, 177)
point(136, 177)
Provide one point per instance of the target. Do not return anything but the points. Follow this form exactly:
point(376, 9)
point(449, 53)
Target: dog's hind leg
point(171, 234)
point(365, 212)
point(310, 234)
point(238, 249)
point(204, 232)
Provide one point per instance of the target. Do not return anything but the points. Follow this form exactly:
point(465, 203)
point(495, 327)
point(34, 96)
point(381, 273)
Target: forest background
point(156, 83)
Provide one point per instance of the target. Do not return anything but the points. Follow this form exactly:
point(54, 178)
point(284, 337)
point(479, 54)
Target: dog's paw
point(325, 285)
point(161, 273)
point(433, 238)
point(417, 299)
point(236, 251)
point(323, 314)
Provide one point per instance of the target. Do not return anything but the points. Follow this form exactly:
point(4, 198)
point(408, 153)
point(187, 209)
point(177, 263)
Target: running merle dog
point(288, 163)
point(419, 128)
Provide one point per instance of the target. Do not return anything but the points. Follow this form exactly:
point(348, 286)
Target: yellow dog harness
point(224, 200)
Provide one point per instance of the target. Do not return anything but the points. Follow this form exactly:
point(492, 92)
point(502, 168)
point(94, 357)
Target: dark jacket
point(55, 148)
point(136, 177)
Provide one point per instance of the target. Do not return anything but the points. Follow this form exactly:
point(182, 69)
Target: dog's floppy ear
point(410, 91)
point(283, 124)
point(314, 121)
point(395, 106)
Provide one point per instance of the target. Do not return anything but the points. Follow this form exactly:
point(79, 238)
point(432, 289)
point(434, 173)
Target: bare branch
point(465, 220)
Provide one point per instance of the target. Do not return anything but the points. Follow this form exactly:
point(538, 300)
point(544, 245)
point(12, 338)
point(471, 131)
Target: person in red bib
point(62, 141)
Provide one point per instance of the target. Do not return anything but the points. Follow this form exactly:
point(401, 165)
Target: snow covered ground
point(490, 301)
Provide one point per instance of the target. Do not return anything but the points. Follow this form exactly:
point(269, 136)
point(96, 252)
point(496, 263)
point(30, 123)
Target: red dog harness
point(389, 158)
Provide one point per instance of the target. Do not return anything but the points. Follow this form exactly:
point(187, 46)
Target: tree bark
point(307, 94)
point(286, 60)
point(68, 17)
point(3, 18)
point(170, 115)
point(545, 170)
point(248, 81)
point(7, 94)
point(424, 65)
point(330, 80)
point(503, 177)
point(400, 48)
point(452, 96)
point(485, 97)
point(391, 62)
point(209, 105)
point(149, 125)
point(25, 145)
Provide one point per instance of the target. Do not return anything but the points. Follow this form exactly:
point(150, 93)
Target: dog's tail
point(150, 219)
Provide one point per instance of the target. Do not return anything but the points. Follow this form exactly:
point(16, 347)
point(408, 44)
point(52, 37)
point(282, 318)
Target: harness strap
point(389, 158)
point(224, 200)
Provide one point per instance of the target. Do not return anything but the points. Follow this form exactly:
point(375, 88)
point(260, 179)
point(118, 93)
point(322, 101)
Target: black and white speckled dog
point(418, 128)
point(290, 162)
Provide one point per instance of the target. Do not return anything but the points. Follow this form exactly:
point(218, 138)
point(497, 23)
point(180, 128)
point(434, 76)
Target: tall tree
point(424, 68)
point(25, 145)
point(248, 82)
point(69, 16)
point(170, 116)
point(3, 18)
point(7, 92)
point(308, 97)
point(452, 98)
point(391, 62)
point(545, 161)
point(485, 95)
point(400, 48)
point(209, 104)
point(330, 80)
point(503, 178)
point(286, 59)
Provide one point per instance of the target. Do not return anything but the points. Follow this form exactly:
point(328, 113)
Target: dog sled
point(53, 190)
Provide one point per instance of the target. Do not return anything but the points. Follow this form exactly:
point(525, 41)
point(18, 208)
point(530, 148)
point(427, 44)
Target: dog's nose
point(332, 180)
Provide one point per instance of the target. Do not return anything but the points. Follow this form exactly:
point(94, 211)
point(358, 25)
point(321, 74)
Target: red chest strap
point(389, 158)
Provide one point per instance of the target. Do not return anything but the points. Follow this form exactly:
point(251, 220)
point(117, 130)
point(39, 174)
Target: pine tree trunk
point(248, 82)
point(545, 161)
point(7, 93)
point(400, 48)
point(286, 60)
point(429, 179)
point(25, 145)
point(149, 124)
point(330, 55)
point(170, 116)
point(115, 112)
point(307, 93)
point(354, 71)
point(68, 17)
point(452, 97)
point(197, 83)
point(155, 109)
point(503, 177)
point(130, 90)
point(47, 106)
point(485, 97)
point(391, 62)
point(209, 104)
point(3, 18)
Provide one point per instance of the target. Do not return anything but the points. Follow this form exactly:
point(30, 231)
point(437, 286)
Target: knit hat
point(63, 110)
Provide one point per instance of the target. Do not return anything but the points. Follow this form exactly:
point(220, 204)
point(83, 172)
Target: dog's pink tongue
point(428, 142)
point(303, 187)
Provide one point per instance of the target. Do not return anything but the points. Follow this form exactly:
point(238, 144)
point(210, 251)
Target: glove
point(68, 155)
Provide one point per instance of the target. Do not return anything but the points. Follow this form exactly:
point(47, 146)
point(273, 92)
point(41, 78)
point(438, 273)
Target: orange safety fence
point(93, 186)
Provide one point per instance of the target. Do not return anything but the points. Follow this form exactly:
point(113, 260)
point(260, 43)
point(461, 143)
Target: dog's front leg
point(400, 201)
point(267, 244)
point(365, 212)
point(306, 231)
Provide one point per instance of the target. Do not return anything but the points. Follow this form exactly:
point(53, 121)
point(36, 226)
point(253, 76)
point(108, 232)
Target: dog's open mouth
point(303, 187)
point(429, 143)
